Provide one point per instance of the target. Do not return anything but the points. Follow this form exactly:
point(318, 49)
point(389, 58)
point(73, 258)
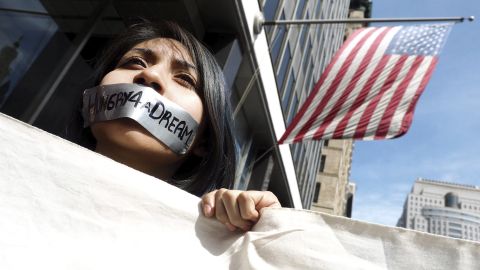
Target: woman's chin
point(129, 143)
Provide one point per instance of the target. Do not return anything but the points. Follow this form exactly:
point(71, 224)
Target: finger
point(231, 204)
point(246, 204)
point(220, 211)
point(230, 227)
point(264, 199)
point(208, 203)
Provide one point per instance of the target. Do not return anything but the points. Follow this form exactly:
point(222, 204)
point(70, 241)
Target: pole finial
point(471, 18)
point(258, 23)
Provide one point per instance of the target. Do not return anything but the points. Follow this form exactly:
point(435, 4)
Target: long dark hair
point(216, 169)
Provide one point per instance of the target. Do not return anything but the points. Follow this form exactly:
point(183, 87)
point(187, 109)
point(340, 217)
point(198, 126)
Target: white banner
point(65, 207)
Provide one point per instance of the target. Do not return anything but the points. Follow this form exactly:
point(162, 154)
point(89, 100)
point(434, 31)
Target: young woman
point(172, 62)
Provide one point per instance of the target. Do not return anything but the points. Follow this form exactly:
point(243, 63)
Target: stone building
point(334, 192)
point(443, 208)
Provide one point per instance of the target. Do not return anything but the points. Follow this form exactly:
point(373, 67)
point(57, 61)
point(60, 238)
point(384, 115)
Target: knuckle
point(219, 193)
point(208, 195)
point(243, 197)
point(270, 194)
point(230, 196)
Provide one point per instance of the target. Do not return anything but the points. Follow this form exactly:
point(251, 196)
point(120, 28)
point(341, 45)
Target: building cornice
point(449, 184)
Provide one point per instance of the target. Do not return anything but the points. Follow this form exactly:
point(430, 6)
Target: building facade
point(48, 49)
point(443, 208)
point(299, 54)
point(359, 9)
point(334, 192)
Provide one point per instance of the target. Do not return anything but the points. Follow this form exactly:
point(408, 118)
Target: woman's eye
point(187, 80)
point(134, 61)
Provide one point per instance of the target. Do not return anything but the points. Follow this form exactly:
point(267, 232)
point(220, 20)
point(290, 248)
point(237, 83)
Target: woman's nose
point(151, 78)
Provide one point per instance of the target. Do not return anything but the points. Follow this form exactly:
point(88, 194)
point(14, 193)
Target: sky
point(442, 143)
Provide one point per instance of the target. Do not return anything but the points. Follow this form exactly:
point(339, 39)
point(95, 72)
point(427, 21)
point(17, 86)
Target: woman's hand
point(237, 208)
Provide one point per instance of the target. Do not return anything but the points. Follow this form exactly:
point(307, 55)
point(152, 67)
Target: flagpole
point(260, 21)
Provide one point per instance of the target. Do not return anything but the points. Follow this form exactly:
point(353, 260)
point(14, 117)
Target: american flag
point(370, 88)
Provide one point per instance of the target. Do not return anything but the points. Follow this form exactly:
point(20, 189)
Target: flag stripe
point(300, 115)
point(365, 91)
point(398, 93)
point(407, 98)
point(338, 67)
point(385, 99)
point(361, 98)
point(333, 87)
point(370, 89)
point(362, 68)
point(368, 113)
point(338, 96)
point(407, 120)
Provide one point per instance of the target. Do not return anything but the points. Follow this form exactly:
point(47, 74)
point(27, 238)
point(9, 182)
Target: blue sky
point(443, 142)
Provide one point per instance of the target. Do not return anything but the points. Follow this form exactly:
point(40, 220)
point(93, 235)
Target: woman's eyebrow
point(183, 64)
point(146, 52)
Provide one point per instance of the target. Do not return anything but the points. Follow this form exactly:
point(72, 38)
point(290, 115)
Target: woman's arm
point(237, 208)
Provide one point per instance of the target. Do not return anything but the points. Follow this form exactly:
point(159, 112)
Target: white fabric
point(65, 207)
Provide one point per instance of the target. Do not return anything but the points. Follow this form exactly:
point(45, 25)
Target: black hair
point(216, 169)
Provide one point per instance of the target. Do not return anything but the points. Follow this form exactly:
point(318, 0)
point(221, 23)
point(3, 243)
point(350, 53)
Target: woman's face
point(165, 65)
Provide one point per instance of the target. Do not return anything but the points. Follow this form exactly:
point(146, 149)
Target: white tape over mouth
point(164, 119)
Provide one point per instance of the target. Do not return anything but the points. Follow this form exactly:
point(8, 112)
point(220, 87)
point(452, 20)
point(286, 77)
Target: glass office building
point(299, 54)
point(48, 50)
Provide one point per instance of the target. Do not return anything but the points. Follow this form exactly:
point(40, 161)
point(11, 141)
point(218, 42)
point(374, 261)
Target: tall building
point(334, 192)
point(50, 45)
point(359, 9)
point(299, 54)
point(443, 208)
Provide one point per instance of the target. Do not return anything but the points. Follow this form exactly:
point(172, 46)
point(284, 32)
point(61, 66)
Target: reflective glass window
point(270, 9)
point(277, 42)
point(304, 34)
point(46, 48)
point(287, 93)
point(282, 71)
point(300, 8)
point(293, 108)
point(318, 9)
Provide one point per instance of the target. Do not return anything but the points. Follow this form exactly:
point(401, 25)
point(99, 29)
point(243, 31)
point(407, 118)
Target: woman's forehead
point(165, 47)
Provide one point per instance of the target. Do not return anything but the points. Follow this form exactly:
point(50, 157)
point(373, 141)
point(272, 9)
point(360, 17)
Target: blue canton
point(419, 40)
